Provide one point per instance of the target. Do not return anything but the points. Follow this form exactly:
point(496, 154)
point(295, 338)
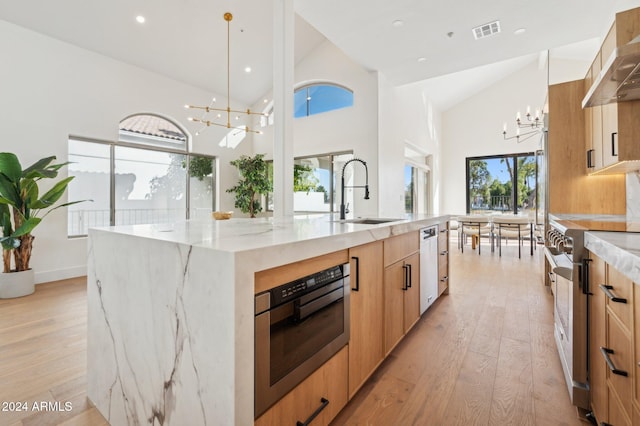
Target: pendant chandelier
point(534, 124)
point(219, 112)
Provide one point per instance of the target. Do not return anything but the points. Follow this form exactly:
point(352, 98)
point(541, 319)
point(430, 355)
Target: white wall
point(51, 90)
point(417, 121)
point(474, 128)
point(354, 128)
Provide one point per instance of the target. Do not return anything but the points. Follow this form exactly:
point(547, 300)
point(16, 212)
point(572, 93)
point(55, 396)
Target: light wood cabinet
point(443, 258)
point(612, 130)
point(401, 287)
point(614, 348)
point(366, 343)
point(597, 339)
point(326, 386)
point(593, 122)
point(607, 194)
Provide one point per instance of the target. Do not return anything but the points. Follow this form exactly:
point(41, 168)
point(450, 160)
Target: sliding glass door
point(502, 183)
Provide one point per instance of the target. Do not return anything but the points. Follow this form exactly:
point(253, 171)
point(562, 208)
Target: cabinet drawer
point(621, 289)
point(619, 341)
point(617, 414)
point(328, 383)
point(400, 246)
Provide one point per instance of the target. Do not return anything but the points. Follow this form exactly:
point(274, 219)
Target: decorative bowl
point(221, 215)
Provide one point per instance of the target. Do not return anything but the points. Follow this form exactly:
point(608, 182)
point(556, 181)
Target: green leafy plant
point(253, 182)
point(22, 206)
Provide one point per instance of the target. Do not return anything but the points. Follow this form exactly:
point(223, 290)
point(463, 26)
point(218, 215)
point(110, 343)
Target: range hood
point(619, 79)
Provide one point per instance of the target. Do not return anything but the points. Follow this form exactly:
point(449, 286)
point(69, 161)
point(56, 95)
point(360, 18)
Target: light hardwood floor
point(484, 355)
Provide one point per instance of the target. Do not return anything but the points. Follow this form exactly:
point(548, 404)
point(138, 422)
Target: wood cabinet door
point(609, 134)
point(395, 280)
point(636, 362)
point(412, 294)
point(443, 259)
point(621, 300)
point(597, 339)
point(327, 383)
point(366, 342)
point(619, 342)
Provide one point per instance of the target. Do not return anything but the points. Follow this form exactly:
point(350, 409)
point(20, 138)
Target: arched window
point(320, 97)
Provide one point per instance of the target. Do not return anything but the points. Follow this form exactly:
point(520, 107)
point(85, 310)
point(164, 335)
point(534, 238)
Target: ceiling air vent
point(486, 30)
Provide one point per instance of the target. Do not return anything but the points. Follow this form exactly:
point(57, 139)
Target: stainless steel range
point(567, 274)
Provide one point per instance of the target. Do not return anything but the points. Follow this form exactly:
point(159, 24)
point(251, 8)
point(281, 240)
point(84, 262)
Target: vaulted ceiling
point(407, 40)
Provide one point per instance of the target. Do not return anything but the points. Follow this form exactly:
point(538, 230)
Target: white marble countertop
point(237, 235)
point(619, 249)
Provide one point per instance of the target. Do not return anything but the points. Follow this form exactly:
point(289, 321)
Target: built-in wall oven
point(298, 327)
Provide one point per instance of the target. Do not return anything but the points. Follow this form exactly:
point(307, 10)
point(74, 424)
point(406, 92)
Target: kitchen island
point(171, 310)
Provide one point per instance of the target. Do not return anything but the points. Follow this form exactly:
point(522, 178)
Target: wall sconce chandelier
point(207, 109)
point(534, 123)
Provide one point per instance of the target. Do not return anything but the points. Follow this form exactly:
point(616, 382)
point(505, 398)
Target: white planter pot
point(17, 284)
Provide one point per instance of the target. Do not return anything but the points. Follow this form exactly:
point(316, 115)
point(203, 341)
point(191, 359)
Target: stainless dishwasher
point(428, 267)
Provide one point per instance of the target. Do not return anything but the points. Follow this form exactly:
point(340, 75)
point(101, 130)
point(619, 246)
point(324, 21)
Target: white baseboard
point(60, 274)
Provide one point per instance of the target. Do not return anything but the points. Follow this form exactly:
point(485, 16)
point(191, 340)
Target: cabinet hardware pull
point(444, 279)
point(589, 159)
point(410, 273)
point(614, 139)
point(405, 285)
point(607, 290)
point(357, 259)
point(324, 402)
point(444, 252)
point(551, 277)
point(444, 230)
point(605, 353)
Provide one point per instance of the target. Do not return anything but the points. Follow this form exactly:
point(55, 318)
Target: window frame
point(514, 185)
point(159, 147)
point(308, 86)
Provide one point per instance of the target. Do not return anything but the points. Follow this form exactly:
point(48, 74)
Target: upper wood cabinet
point(613, 130)
point(565, 151)
point(366, 342)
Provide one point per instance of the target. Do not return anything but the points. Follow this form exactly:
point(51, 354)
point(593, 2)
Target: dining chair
point(475, 226)
point(516, 227)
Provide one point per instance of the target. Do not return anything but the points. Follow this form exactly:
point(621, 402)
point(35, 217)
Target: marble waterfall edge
point(160, 351)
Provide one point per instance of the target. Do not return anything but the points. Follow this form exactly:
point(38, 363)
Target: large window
point(503, 183)
point(146, 177)
point(316, 183)
point(319, 98)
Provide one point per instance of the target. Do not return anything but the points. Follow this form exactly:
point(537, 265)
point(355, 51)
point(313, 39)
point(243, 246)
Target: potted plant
point(254, 182)
point(21, 210)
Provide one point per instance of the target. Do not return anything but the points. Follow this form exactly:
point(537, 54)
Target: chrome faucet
point(342, 187)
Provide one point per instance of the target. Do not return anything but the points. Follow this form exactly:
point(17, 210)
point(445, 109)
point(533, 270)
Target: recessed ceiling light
point(247, 70)
point(398, 23)
point(265, 100)
point(422, 59)
point(520, 31)
point(140, 19)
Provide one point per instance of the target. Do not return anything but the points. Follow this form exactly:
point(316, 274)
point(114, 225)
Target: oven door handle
point(324, 402)
point(607, 290)
point(303, 311)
